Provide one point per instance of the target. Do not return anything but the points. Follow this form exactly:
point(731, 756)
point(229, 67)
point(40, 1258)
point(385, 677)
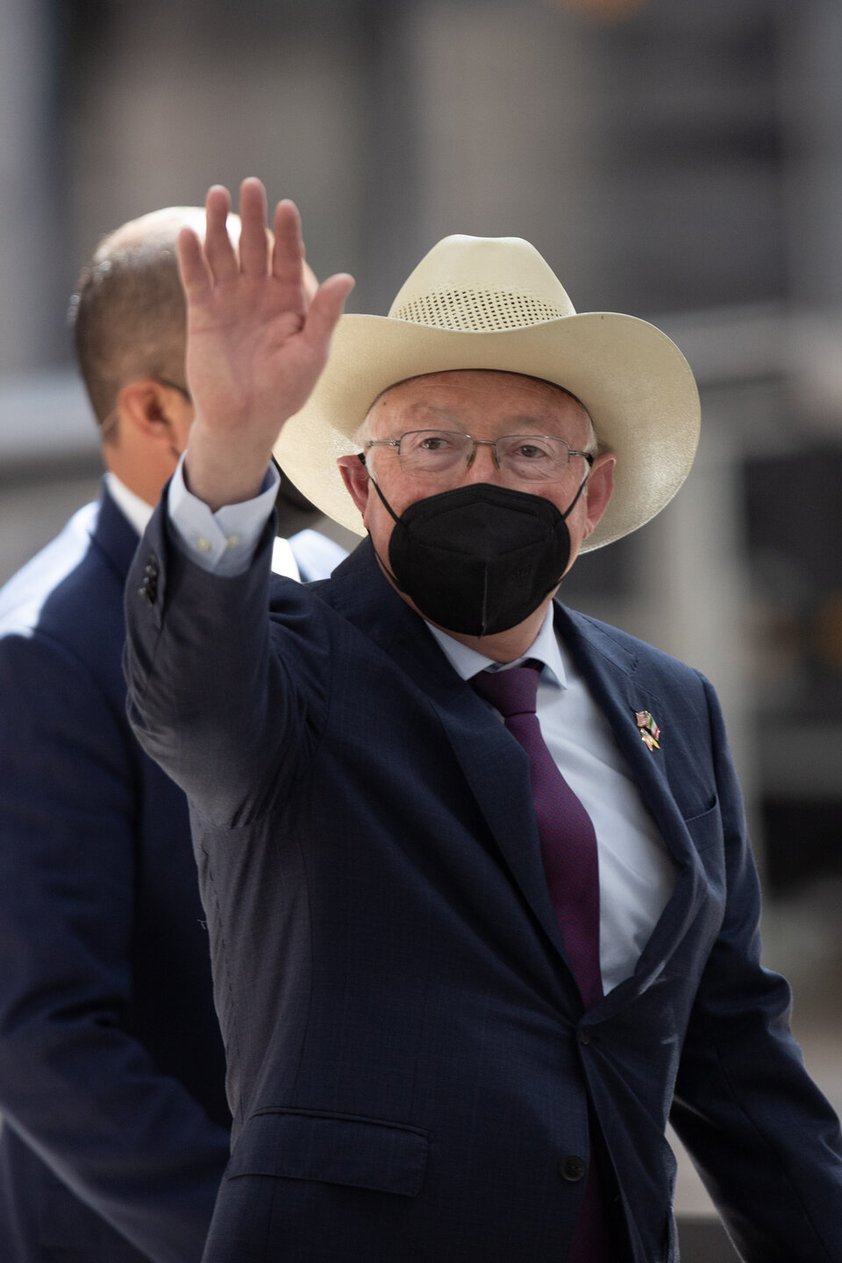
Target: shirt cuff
point(223, 542)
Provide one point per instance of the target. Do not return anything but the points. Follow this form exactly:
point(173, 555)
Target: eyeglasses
point(526, 457)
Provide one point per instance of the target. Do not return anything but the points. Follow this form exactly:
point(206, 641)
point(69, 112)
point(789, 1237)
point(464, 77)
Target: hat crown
point(481, 285)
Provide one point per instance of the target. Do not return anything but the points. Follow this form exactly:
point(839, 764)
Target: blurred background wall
point(676, 160)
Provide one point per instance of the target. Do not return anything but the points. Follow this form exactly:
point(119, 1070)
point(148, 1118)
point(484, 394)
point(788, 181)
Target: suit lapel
point(611, 673)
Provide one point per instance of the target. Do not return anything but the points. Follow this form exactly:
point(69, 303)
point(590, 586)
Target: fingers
point(288, 252)
point(254, 238)
point(289, 267)
point(219, 252)
point(194, 275)
point(204, 265)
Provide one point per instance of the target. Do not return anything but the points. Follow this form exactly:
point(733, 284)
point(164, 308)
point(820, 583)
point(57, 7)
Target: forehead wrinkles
point(518, 402)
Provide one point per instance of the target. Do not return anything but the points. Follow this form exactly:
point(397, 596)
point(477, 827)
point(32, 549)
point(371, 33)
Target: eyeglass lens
point(531, 457)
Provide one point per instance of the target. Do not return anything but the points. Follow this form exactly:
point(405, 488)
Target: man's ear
point(149, 407)
point(356, 479)
point(599, 489)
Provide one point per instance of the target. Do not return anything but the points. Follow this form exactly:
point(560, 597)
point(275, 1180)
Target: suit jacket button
point(572, 1168)
point(149, 584)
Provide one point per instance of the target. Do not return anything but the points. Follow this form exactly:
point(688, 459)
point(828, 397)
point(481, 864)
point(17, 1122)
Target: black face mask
point(480, 559)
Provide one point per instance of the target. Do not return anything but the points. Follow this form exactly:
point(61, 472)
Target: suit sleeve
point(764, 1139)
point(226, 689)
point(75, 1084)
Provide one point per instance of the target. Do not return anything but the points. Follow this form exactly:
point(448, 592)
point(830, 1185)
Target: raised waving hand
point(256, 340)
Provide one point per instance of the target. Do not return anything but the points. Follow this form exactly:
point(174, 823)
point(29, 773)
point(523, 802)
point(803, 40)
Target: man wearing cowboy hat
point(481, 903)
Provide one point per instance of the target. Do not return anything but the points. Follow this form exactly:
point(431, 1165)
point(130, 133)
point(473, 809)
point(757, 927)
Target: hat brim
point(633, 380)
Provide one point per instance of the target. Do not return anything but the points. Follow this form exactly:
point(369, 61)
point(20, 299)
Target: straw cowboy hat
point(494, 303)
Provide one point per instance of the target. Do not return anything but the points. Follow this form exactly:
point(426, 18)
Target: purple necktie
point(569, 853)
point(568, 841)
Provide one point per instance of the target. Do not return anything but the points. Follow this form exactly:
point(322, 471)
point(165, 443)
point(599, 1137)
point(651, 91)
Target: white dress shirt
point(137, 511)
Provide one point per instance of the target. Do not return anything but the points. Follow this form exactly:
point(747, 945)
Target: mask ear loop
point(572, 505)
point(566, 514)
point(387, 506)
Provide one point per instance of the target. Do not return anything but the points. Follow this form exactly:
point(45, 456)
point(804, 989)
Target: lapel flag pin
point(649, 730)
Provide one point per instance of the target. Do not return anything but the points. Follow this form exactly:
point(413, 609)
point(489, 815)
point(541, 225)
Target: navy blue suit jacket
point(410, 1067)
point(115, 1130)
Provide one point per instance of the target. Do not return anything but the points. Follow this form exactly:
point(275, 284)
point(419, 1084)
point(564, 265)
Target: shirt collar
point(131, 506)
point(545, 648)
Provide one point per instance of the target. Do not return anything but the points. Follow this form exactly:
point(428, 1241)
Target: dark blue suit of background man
point(413, 1072)
point(115, 1127)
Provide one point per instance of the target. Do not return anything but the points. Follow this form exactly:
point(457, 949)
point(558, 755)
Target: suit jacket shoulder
point(95, 852)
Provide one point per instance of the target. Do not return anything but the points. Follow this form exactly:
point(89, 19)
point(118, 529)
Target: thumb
point(326, 308)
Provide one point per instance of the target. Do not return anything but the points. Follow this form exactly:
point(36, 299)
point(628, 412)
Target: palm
point(257, 341)
point(246, 351)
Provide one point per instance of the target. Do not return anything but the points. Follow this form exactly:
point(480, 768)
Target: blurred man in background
point(115, 1123)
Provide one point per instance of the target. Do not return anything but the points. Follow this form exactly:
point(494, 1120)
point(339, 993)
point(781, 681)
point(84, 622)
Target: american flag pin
point(649, 730)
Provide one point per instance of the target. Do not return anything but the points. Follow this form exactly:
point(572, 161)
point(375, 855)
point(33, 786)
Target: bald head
point(128, 313)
